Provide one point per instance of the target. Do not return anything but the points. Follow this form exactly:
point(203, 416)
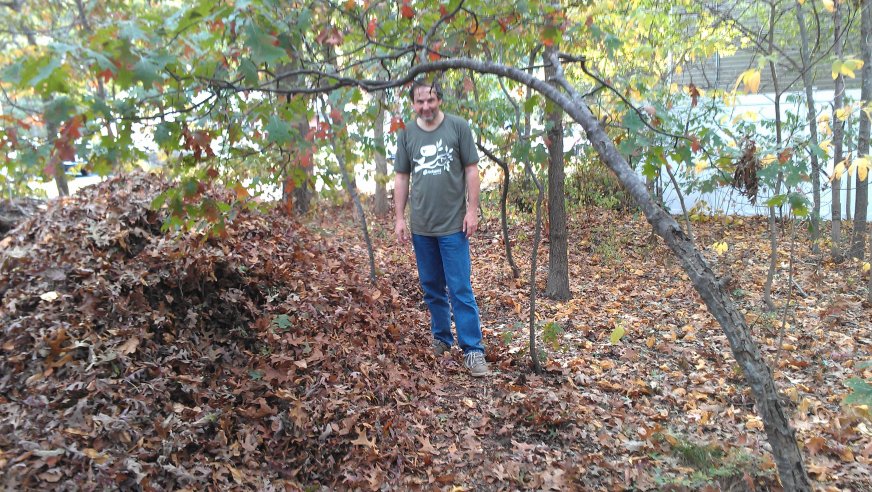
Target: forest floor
point(265, 359)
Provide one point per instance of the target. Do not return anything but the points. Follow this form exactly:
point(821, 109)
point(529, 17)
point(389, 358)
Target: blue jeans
point(444, 270)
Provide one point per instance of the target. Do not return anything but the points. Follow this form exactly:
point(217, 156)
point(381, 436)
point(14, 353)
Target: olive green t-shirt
point(436, 161)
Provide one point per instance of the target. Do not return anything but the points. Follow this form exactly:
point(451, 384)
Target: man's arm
point(401, 196)
point(473, 189)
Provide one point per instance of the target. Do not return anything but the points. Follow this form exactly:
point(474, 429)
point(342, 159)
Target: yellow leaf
point(701, 165)
point(617, 334)
point(848, 67)
point(752, 80)
point(95, 455)
point(767, 159)
point(829, 5)
point(720, 247)
point(861, 166)
point(844, 113)
point(839, 170)
point(825, 146)
point(866, 266)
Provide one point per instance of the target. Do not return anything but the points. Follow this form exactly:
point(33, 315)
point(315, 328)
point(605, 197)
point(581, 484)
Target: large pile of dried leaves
point(137, 359)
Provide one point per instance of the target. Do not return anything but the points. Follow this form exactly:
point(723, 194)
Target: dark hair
point(434, 86)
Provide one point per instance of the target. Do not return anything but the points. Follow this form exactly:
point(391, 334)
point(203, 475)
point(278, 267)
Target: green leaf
point(633, 122)
point(59, 109)
point(798, 205)
point(531, 103)
point(278, 131)
point(166, 135)
point(146, 72)
point(617, 333)
point(261, 45)
point(248, 70)
point(776, 201)
point(861, 394)
point(282, 321)
point(47, 75)
point(551, 334)
point(12, 73)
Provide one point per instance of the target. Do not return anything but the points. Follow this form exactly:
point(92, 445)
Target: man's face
point(426, 103)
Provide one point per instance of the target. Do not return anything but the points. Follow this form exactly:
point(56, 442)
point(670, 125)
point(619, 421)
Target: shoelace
point(474, 358)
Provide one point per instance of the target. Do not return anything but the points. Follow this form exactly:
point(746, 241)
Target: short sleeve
point(468, 151)
point(401, 162)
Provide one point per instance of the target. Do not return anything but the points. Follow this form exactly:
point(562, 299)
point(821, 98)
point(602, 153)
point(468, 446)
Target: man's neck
point(430, 126)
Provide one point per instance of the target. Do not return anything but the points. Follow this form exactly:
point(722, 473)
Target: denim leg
point(432, 277)
point(457, 267)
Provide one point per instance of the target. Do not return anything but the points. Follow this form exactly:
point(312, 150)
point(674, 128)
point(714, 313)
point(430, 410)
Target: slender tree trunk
point(351, 187)
point(812, 125)
point(861, 205)
point(838, 139)
point(504, 222)
point(381, 167)
point(537, 238)
point(558, 260)
point(848, 184)
point(773, 220)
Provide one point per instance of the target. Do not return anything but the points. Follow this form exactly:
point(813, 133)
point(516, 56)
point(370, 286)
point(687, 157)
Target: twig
point(790, 284)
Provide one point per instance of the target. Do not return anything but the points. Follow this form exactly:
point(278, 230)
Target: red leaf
point(694, 144)
point(397, 124)
point(106, 75)
point(370, 28)
point(434, 54)
point(407, 11)
point(785, 155)
point(694, 95)
point(335, 115)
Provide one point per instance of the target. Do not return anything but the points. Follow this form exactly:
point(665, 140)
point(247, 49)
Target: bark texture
point(557, 286)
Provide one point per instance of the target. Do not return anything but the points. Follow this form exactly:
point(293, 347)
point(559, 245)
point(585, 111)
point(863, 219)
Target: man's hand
point(401, 231)
point(470, 223)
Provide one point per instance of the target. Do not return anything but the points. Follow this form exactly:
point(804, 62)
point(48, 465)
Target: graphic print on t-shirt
point(434, 159)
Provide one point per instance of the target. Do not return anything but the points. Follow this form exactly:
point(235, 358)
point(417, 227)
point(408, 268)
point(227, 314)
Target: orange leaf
point(397, 124)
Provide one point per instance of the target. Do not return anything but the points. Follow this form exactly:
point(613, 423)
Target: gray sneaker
point(474, 361)
point(440, 347)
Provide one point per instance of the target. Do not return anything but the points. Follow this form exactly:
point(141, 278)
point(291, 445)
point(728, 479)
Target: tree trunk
point(504, 221)
point(773, 222)
point(812, 126)
point(861, 205)
point(381, 167)
point(838, 139)
point(351, 188)
point(757, 373)
point(558, 260)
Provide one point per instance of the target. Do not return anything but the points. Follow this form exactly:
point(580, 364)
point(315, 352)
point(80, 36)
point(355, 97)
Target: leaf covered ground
point(266, 360)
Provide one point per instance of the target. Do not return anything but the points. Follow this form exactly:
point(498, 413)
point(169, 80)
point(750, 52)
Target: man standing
point(437, 155)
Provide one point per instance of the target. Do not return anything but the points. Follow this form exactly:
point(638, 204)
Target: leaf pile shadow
point(135, 359)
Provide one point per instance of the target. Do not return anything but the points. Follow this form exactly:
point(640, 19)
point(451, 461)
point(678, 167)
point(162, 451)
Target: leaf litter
point(265, 360)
